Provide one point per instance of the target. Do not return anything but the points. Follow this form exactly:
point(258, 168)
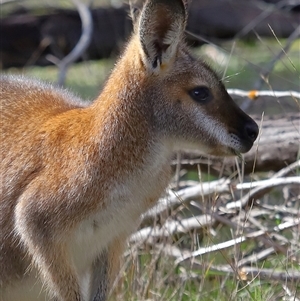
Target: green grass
point(85, 79)
point(150, 278)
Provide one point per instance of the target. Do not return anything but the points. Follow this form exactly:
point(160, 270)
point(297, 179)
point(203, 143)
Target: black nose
point(252, 130)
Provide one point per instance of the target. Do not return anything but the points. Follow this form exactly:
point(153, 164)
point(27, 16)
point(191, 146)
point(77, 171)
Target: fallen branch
point(260, 190)
point(236, 241)
point(249, 273)
point(253, 94)
point(245, 273)
point(254, 258)
point(171, 227)
point(187, 194)
point(207, 189)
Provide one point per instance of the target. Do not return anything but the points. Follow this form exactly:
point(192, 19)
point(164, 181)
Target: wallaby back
point(75, 178)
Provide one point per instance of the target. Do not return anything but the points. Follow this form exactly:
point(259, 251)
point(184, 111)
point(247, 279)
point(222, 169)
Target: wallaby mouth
point(242, 141)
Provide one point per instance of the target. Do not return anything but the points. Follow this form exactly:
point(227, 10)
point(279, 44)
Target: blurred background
point(244, 40)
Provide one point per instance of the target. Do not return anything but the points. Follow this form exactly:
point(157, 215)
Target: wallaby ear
point(186, 4)
point(135, 10)
point(160, 28)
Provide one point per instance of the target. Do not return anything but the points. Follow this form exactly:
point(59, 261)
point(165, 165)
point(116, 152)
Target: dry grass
point(265, 266)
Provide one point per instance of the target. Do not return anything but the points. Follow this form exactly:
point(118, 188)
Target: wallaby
point(75, 178)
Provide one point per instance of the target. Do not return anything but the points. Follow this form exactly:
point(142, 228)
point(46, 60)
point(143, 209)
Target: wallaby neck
point(125, 116)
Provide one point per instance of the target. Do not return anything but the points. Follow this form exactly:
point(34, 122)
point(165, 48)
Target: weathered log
point(27, 38)
point(277, 146)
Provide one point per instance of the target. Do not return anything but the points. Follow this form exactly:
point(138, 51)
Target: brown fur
point(75, 179)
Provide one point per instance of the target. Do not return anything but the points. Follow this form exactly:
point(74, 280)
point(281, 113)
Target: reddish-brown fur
point(75, 178)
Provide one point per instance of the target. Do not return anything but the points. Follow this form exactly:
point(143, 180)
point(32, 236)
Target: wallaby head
point(75, 179)
point(191, 107)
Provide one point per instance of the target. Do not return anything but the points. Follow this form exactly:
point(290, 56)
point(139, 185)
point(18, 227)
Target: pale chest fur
point(124, 204)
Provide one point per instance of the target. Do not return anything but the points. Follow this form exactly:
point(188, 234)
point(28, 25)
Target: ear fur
point(160, 28)
point(135, 10)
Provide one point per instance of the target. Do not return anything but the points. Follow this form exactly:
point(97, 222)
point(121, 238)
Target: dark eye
point(200, 94)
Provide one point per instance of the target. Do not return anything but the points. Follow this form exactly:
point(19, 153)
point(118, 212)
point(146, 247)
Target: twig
point(244, 273)
point(253, 94)
point(258, 191)
point(286, 170)
point(215, 187)
point(265, 240)
point(237, 240)
point(269, 182)
point(248, 273)
point(173, 251)
point(221, 246)
point(295, 34)
point(282, 209)
point(173, 199)
point(290, 294)
point(256, 257)
point(171, 227)
point(270, 67)
point(83, 43)
point(256, 21)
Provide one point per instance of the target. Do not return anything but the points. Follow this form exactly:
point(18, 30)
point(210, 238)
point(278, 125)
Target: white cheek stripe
point(213, 128)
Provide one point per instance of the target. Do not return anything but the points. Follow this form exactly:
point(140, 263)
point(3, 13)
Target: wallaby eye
point(200, 94)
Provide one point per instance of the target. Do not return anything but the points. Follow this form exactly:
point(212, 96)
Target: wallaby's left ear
point(160, 29)
point(135, 10)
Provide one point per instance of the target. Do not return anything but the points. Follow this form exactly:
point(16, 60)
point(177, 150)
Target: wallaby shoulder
point(32, 91)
